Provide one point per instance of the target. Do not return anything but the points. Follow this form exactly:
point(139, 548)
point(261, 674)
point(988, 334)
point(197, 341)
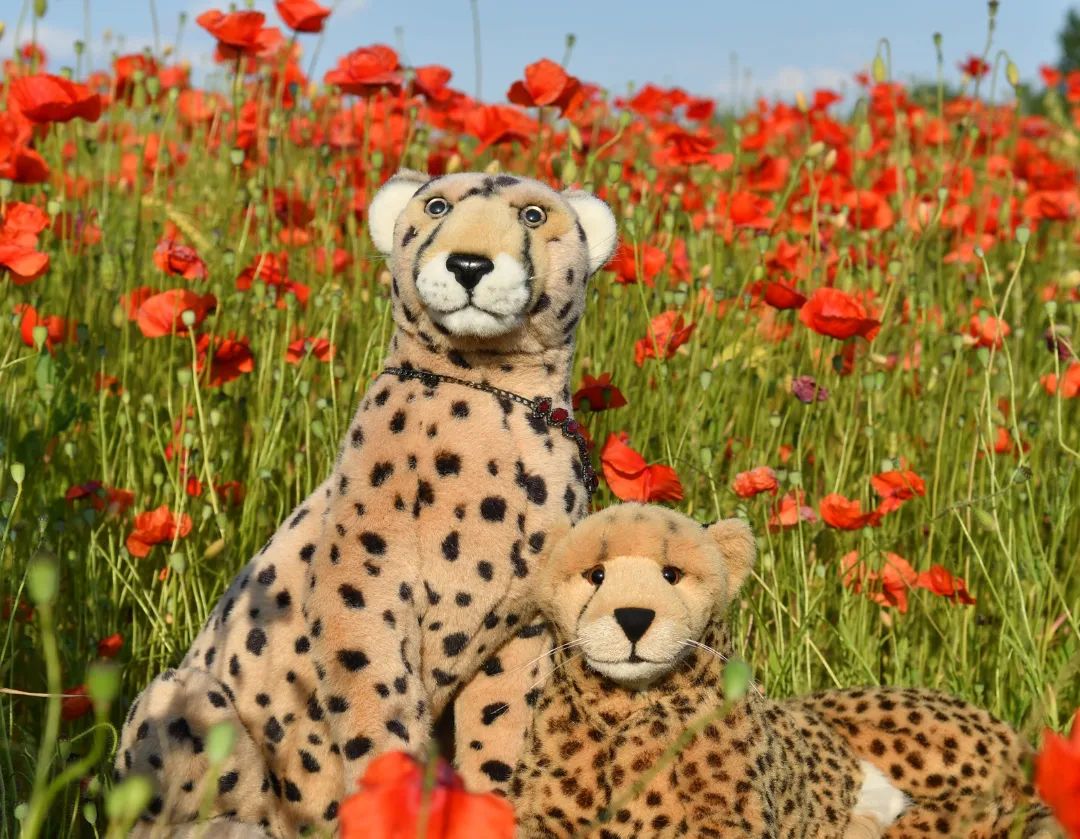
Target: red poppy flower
point(988, 331)
point(75, 703)
point(681, 148)
point(392, 794)
point(667, 333)
point(975, 67)
point(844, 514)
point(546, 83)
point(302, 15)
point(154, 527)
point(1057, 776)
point(240, 33)
point(497, 124)
point(110, 647)
point(756, 481)
point(790, 510)
point(230, 359)
point(1051, 76)
point(272, 269)
point(124, 69)
point(43, 98)
point(939, 581)
point(367, 70)
point(836, 314)
point(319, 348)
point(597, 394)
point(748, 210)
point(631, 478)
point(57, 329)
point(180, 260)
point(895, 487)
point(625, 264)
point(19, 231)
point(430, 81)
point(868, 210)
point(1051, 205)
point(782, 296)
point(888, 588)
point(1069, 386)
point(160, 314)
point(114, 501)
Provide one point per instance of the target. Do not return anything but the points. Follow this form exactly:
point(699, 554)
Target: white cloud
point(786, 82)
point(348, 8)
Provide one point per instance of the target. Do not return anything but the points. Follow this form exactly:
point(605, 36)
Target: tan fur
point(767, 768)
point(407, 570)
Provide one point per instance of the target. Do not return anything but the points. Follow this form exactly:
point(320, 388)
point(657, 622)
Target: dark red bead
point(572, 428)
point(543, 406)
point(560, 415)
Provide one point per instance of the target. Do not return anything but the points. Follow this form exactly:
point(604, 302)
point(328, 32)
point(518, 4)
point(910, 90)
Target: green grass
point(1008, 523)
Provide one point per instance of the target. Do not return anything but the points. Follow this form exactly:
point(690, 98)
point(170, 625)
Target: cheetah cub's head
point(489, 261)
point(633, 587)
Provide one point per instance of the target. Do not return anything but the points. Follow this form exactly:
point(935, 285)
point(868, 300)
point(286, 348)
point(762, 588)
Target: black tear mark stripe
point(423, 247)
point(527, 261)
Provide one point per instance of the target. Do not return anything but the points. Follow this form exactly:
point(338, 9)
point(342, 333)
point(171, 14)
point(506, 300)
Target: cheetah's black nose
point(469, 268)
point(634, 621)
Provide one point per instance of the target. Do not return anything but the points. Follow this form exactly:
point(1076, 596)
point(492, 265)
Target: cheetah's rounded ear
point(736, 542)
point(387, 205)
point(599, 225)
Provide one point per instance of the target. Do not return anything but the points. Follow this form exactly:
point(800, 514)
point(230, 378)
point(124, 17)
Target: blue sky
point(723, 48)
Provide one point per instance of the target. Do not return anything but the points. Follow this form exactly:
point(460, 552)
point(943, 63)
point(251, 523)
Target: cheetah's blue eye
point(437, 207)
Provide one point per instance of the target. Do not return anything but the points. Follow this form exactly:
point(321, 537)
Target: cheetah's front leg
point(492, 713)
point(365, 638)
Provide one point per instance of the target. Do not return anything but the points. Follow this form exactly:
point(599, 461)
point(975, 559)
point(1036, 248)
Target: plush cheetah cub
point(637, 596)
point(407, 571)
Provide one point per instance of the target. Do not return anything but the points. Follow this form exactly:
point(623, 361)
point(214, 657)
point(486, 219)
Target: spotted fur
point(407, 570)
point(628, 591)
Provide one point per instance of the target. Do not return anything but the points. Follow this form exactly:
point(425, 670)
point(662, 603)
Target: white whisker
point(541, 680)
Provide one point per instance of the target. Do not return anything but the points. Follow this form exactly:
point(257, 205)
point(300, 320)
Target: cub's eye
point(437, 207)
point(595, 575)
point(533, 216)
point(671, 574)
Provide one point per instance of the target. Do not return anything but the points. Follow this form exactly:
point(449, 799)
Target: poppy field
point(851, 321)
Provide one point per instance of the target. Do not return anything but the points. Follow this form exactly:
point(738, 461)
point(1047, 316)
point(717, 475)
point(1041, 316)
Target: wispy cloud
point(786, 82)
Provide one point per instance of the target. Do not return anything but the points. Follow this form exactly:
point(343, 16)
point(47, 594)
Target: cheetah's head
point(633, 586)
point(494, 262)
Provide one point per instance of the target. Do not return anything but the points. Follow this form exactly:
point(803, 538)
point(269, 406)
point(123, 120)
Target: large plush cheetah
point(406, 571)
point(636, 596)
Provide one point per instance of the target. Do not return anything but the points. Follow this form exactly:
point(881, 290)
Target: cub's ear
point(387, 205)
point(599, 225)
point(736, 542)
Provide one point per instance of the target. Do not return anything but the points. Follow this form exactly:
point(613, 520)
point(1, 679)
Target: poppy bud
point(42, 578)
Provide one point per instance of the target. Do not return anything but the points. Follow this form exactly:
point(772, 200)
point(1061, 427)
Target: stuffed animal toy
point(637, 597)
point(408, 568)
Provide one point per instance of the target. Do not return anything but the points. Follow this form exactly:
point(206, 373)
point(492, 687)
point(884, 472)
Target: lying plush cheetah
point(636, 595)
point(407, 570)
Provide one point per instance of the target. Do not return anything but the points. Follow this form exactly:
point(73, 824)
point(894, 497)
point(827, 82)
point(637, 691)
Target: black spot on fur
point(492, 712)
point(447, 464)
point(493, 508)
point(380, 472)
point(307, 552)
point(352, 660)
point(496, 770)
point(455, 643)
point(350, 596)
point(451, 546)
point(356, 748)
point(373, 543)
point(256, 640)
point(460, 409)
point(267, 576)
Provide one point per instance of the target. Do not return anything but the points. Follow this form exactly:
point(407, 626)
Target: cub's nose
point(634, 621)
point(468, 268)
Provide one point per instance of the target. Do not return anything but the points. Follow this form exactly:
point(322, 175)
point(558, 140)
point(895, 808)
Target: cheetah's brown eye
point(671, 574)
point(437, 207)
point(533, 216)
point(595, 575)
